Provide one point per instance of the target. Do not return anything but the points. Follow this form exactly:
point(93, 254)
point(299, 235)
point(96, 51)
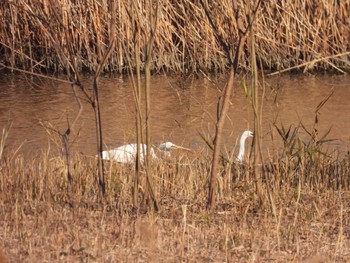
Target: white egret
point(127, 153)
point(244, 136)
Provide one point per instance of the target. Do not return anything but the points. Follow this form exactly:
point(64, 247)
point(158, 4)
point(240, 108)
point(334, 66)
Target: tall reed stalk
point(153, 20)
point(255, 100)
point(143, 34)
point(224, 100)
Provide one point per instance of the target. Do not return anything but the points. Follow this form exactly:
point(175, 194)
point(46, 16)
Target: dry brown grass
point(287, 34)
point(305, 211)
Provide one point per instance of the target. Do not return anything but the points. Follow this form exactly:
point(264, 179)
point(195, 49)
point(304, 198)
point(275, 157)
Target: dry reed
point(304, 210)
point(287, 34)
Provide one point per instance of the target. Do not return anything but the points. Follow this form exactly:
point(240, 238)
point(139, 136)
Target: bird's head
point(247, 134)
point(168, 146)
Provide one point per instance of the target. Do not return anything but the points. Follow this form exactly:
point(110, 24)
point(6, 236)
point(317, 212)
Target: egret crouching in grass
point(127, 153)
point(244, 136)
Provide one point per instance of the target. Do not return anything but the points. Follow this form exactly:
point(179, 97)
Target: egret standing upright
point(244, 136)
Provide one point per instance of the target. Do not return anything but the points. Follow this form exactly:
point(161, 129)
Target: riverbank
point(303, 212)
point(37, 35)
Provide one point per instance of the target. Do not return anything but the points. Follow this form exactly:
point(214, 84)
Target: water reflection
point(180, 110)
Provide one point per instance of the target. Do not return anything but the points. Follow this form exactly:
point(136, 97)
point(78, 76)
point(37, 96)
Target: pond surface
point(181, 110)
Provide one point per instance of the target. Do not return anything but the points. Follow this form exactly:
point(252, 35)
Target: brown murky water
point(180, 110)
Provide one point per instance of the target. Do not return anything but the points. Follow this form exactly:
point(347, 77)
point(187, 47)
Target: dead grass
point(287, 34)
point(305, 212)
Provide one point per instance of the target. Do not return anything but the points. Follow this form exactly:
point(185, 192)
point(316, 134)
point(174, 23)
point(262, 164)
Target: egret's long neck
point(241, 149)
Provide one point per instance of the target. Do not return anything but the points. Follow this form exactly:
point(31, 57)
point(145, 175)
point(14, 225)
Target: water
point(181, 111)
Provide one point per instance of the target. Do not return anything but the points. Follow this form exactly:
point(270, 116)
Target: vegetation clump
point(304, 210)
point(313, 33)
